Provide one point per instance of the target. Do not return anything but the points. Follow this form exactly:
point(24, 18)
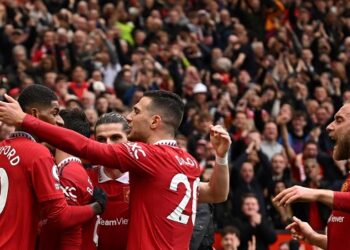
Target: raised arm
point(216, 190)
point(61, 138)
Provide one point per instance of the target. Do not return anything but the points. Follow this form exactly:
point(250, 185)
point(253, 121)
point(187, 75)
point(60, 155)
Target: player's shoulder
point(25, 145)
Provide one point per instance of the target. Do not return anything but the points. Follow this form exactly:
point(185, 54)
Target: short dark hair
point(76, 120)
point(112, 117)
point(230, 230)
point(248, 195)
point(36, 95)
point(169, 104)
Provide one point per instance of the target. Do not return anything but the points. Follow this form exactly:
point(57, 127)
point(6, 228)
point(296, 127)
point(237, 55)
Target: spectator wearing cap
point(200, 95)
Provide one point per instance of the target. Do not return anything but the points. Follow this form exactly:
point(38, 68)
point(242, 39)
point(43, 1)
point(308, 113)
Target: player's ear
point(34, 112)
point(155, 121)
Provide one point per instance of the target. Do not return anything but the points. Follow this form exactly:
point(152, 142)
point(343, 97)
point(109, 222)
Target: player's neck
point(112, 173)
point(60, 156)
point(160, 137)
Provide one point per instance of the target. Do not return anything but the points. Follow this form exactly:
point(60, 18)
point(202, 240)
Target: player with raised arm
point(29, 184)
point(164, 179)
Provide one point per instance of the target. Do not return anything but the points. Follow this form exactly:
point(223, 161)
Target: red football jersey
point(339, 221)
point(78, 190)
point(28, 176)
point(114, 222)
point(164, 183)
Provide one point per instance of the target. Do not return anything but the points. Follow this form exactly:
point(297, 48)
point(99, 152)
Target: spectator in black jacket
point(254, 224)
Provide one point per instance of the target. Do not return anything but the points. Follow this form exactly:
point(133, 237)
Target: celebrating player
point(29, 180)
point(164, 179)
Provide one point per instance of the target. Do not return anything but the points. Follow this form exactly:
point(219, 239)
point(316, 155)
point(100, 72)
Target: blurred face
point(320, 94)
point(312, 171)
point(250, 206)
point(139, 120)
point(339, 131)
point(298, 123)
point(20, 55)
point(310, 151)
point(278, 164)
point(240, 121)
point(49, 38)
point(270, 132)
point(111, 133)
point(279, 187)
point(230, 242)
point(102, 105)
point(79, 74)
point(322, 116)
point(247, 172)
point(91, 115)
point(286, 110)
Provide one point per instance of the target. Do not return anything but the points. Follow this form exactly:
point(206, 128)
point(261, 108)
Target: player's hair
point(230, 230)
point(170, 106)
point(76, 120)
point(112, 117)
point(36, 95)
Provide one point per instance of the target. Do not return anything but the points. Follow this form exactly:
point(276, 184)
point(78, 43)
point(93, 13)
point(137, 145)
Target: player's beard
point(342, 147)
point(134, 136)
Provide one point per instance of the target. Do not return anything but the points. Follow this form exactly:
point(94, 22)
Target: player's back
point(163, 202)
point(23, 170)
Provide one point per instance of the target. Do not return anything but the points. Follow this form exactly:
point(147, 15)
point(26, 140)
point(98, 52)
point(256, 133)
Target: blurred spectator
point(230, 238)
point(253, 223)
point(269, 145)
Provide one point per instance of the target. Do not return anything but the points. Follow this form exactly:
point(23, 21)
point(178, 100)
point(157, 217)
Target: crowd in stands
point(273, 72)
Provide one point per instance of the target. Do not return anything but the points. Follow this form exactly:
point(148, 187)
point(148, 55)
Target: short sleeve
point(45, 180)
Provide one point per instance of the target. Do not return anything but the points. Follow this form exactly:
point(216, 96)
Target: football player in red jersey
point(339, 222)
point(112, 128)
point(78, 190)
point(164, 179)
point(29, 183)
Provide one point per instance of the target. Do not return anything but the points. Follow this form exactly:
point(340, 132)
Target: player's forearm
point(59, 214)
point(326, 197)
point(71, 142)
point(319, 240)
point(217, 189)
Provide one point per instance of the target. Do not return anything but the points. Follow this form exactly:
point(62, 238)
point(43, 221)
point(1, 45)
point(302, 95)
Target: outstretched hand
point(220, 139)
point(11, 112)
point(295, 194)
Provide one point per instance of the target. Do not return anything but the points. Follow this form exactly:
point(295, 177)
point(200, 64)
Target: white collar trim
point(68, 160)
point(104, 178)
point(17, 134)
point(171, 143)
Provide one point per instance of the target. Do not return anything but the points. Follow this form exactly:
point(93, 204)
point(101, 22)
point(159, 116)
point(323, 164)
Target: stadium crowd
point(272, 72)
